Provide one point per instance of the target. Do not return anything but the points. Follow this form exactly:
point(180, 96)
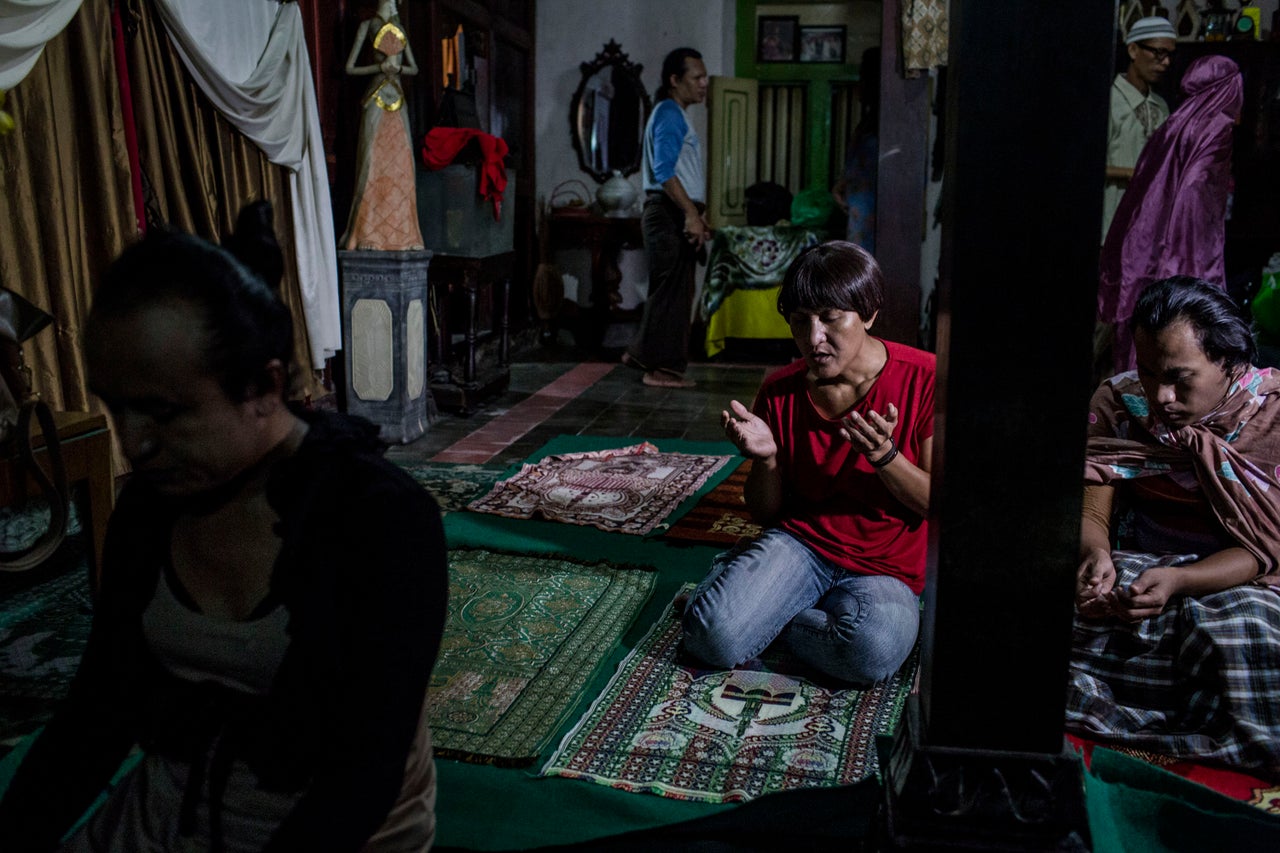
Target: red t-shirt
point(835, 501)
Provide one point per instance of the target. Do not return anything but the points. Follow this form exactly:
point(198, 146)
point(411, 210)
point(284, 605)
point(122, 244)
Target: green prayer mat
point(664, 726)
point(454, 485)
point(523, 637)
point(1135, 807)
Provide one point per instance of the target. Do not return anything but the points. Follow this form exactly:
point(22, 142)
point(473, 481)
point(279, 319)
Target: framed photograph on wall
point(822, 44)
point(776, 38)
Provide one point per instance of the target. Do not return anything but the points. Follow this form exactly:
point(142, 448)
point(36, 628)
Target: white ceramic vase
point(616, 195)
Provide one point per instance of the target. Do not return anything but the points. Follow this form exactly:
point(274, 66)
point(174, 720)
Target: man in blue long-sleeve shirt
point(673, 222)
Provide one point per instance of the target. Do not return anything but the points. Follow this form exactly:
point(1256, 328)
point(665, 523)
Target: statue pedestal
point(384, 340)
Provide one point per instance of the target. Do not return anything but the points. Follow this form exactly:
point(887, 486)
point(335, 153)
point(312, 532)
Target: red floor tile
point(501, 432)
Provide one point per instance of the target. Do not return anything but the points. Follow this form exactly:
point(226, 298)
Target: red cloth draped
point(442, 144)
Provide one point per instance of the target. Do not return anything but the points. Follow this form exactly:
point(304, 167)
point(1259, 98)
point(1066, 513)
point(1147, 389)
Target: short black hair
point(1218, 322)
point(248, 325)
point(837, 274)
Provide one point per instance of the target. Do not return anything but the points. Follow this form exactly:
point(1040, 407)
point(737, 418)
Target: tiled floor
point(549, 397)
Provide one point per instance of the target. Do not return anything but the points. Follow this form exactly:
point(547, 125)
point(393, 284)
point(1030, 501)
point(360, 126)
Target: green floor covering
point(1132, 804)
point(537, 811)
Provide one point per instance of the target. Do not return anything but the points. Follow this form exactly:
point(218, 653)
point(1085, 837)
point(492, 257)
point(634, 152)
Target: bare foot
point(667, 379)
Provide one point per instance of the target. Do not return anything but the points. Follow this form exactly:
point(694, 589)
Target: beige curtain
point(197, 169)
point(65, 198)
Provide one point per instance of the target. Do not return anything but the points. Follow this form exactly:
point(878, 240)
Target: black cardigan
point(363, 574)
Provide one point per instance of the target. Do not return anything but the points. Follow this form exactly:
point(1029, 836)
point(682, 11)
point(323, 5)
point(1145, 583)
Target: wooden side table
point(86, 453)
point(604, 237)
point(469, 308)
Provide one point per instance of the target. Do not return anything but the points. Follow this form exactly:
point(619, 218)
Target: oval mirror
point(607, 114)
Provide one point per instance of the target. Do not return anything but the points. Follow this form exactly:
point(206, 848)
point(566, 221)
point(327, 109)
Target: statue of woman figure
point(384, 210)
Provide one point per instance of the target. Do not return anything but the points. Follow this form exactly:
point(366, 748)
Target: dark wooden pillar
point(980, 760)
point(900, 184)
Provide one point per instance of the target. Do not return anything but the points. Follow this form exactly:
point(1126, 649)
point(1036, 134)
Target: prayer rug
point(43, 632)
point(664, 727)
point(1135, 806)
point(523, 638)
point(625, 490)
point(1236, 784)
point(720, 517)
point(455, 485)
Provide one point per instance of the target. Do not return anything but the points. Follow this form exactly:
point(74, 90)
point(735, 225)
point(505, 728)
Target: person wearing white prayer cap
point(1136, 110)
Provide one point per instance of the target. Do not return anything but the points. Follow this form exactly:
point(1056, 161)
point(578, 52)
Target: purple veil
point(1171, 218)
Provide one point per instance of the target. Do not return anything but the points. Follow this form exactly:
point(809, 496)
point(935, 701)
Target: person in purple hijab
point(1171, 220)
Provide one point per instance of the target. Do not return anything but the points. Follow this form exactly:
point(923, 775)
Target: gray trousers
point(663, 339)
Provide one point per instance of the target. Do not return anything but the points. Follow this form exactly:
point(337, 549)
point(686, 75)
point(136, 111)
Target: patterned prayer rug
point(720, 517)
point(718, 736)
point(43, 631)
point(523, 638)
point(454, 485)
point(626, 490)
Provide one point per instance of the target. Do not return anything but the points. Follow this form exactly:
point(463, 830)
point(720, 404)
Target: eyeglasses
point(1159, 54)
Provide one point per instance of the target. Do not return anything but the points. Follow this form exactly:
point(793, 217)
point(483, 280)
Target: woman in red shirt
point(841, 443)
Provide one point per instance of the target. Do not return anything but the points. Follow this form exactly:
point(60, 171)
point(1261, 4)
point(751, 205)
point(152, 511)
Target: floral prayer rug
point(625, 490)
point(720, 517)
point(664, 727)
point(454, 485)
point(524, 636)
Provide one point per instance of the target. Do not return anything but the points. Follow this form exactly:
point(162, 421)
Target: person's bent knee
point(708, 639)
point(862, 655)
point(871, 667)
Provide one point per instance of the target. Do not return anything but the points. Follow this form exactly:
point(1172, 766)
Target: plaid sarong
point(1201, 680)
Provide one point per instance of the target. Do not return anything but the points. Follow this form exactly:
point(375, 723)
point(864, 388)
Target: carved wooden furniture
point(470, 305)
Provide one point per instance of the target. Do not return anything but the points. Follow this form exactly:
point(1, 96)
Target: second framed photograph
point(776, 39)
point(822, 44)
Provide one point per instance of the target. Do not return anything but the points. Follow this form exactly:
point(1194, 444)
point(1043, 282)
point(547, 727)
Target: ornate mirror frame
point(611, 57)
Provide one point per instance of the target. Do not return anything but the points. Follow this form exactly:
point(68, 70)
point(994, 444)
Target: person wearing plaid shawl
point(1176, 646)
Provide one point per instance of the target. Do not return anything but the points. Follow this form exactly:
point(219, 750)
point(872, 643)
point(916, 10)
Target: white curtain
point(25, 26)
point(250, 58)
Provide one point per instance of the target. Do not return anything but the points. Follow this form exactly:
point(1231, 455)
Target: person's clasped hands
point(1098, 597)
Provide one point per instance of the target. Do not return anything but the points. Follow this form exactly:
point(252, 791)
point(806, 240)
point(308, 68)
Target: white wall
point(571, 32)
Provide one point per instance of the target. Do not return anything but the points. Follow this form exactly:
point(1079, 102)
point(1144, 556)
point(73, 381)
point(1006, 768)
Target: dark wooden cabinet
point(496, 73)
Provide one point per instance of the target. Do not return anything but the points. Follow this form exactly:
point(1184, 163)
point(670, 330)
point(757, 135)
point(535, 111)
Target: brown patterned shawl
point(1233, 454)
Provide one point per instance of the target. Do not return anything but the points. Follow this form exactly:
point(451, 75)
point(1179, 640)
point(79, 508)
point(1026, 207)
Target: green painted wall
point(818, 101)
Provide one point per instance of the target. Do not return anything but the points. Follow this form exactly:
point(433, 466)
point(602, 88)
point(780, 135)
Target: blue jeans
point(857, 628)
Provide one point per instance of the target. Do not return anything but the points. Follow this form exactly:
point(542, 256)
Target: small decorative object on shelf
point(1216, 21)
point(616, 195)
point(1248, 24)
